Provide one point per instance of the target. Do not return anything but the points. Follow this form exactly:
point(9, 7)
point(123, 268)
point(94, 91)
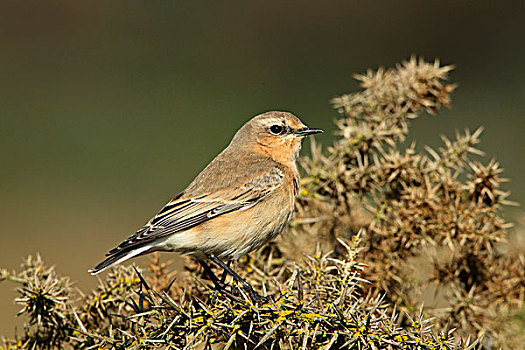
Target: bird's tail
point(117, 258)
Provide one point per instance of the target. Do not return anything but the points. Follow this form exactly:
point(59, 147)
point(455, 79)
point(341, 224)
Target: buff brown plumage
point(241, 200)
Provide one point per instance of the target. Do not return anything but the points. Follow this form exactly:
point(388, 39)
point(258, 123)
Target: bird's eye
point(276, 129)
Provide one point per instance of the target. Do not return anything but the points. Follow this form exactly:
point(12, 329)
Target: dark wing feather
point(184, 212)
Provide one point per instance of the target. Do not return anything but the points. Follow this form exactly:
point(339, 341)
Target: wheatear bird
point(240, 201)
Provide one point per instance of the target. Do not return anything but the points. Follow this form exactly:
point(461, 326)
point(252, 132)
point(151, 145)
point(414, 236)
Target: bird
point(243, 199)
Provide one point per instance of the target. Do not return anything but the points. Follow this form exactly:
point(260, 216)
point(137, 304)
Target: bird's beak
point(307, 131)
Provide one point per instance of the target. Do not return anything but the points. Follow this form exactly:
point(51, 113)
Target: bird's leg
point(223, 279)
point(225, 273)
point(218, 285)
point(253, 294)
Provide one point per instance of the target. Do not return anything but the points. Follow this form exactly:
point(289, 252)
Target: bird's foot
point(259, 299)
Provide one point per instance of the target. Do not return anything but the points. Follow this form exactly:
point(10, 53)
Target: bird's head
point(275, 134)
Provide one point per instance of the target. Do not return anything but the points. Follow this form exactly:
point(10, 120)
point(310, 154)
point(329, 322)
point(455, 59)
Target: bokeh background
point(109, 108)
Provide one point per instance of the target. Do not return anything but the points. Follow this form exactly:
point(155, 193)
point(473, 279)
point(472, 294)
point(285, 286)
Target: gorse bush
point(319, 305)
point(438, 206)
point(345, 274)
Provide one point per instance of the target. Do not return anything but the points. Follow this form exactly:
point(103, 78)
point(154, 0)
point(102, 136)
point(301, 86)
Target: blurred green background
point(108, 109)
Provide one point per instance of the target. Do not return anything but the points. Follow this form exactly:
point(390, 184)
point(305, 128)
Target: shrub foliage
point(379, 228)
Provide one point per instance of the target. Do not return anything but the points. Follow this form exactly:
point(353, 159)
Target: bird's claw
point(260, 300)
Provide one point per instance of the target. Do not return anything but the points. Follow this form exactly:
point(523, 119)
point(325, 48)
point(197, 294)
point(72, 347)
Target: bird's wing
point(185, 212)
